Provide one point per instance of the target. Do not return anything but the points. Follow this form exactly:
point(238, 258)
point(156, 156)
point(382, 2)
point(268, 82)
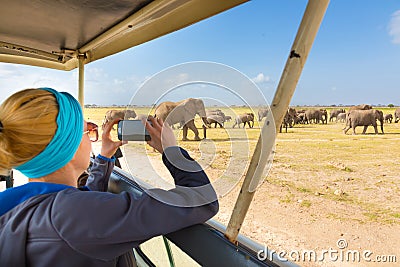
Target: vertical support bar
point(301, 47)
point(81, 89)
point(10, 180)
point(298, 55)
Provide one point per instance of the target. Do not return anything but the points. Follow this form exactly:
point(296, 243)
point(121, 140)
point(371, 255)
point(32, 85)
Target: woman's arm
point(99, 175)
point(118, 222)
point(103, 165)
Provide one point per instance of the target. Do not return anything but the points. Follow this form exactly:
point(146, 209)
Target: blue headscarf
point(65, 142)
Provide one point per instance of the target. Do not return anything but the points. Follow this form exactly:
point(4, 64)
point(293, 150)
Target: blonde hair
point(29, 124)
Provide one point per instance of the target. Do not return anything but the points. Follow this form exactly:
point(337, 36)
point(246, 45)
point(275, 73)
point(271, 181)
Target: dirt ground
point(292, 221)
point(293, 228)
point(294, 211)
point(344, 209)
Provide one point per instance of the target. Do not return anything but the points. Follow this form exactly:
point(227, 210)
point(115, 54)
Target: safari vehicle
point(65, 35)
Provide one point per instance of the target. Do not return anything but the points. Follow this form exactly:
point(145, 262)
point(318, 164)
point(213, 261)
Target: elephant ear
point(120, 114)
point(379, 114)
point(200, 108)
point(132, 113)
point(190, 106)
point(108, 114)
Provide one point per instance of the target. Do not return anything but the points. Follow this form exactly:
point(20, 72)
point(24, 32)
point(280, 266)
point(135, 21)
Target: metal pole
point(10, 180)
point(306, 33)
point(81, 89)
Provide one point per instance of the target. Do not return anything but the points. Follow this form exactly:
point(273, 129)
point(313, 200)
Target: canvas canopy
point(55, 33)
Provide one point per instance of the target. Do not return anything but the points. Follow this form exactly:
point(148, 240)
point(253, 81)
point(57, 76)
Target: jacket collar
point(12, 197)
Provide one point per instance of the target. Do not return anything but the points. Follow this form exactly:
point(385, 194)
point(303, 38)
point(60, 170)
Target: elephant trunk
point(205, 126)
point(205, 122)
point(382, 125)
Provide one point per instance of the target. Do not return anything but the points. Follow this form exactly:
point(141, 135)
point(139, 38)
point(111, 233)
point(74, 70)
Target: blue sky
point(355, 57)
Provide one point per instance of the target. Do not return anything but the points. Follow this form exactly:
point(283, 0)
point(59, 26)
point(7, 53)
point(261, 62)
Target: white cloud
point(261, 78)
point(394, 27)
point(94, 74)
point(15, 77)
point(99, 87)
point(8, 70)
point(118, 82)
point(177, 79)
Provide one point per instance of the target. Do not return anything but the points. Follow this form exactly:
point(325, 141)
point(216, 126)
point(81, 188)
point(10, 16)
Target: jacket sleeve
point(118, 222)
point(99, 175)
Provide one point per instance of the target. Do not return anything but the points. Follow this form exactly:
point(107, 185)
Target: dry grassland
point(323, 184)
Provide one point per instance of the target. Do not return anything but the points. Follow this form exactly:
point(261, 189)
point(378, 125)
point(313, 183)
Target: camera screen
point(132, 130)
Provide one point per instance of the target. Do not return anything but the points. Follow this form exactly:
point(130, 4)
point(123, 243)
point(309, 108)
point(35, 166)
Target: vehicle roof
point(54, 33)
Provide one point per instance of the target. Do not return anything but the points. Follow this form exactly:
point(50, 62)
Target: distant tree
point(391, 106)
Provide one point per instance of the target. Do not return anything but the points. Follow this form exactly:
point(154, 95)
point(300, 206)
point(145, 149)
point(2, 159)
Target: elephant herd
point(185, 111)
point(293, 117)
point(361, 115)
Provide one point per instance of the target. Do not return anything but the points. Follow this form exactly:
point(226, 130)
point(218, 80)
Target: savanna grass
point(311, 160)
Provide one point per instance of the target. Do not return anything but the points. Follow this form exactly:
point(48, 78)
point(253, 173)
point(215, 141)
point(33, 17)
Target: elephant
point(363, 118)
point(300, 118)
point(113, 114)
point(216, 119)
point(146, 116)
point(324, 114)
point(141, 116)
point(215, 112)
point(317, 115)
point(361, 107)
point(388, 118)
point(262, 113)
point(228, 118)
point(341, 117)
point(334, 113)
point(244, 118)
point(183, 111)
point(289, 119)
point(397, 115)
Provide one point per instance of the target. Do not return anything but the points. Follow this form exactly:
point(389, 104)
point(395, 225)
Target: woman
point(49, 222)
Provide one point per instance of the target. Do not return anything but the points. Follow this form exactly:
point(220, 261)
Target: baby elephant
point(118, 114)
point(388, 118)
point(341, 117)
point(216, 119)
point(244, 118)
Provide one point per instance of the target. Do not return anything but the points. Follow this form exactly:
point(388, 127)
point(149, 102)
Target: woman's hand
point(161, 134)
point(108, 146)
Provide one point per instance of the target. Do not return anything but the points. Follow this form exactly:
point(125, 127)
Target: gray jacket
point(72, 227)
